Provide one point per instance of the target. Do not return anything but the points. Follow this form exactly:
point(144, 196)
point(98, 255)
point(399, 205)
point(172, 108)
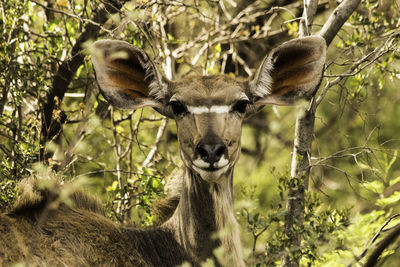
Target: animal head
point(208, 110)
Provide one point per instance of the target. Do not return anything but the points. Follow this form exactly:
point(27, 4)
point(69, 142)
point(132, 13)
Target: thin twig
point(160, 134)
point(355, 68)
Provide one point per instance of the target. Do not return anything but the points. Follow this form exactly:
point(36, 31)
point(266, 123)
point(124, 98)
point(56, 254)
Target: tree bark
point(300, 169)
point(52, 126)
point(336, 20)
point(309, 11)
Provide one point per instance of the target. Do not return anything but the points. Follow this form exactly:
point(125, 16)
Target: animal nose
point(211, 153)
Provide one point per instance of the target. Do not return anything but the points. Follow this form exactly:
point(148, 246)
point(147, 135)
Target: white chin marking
point(204, 109)
point(211, 176)
point(222, 162)
point(201, 163)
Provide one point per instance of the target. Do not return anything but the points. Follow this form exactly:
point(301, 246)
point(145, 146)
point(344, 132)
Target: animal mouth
point(206, 168)
point(210, 169)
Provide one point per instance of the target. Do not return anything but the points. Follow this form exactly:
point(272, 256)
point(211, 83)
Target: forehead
point(208, 90)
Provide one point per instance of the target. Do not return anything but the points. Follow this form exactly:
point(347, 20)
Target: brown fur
point(41, 230)
point(164, 208)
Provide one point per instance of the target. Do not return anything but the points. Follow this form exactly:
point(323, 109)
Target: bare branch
point(117, 150)
point(389, 239)
point(222, 34)
point(336, 20)
point(310, 9)
point(160, 133)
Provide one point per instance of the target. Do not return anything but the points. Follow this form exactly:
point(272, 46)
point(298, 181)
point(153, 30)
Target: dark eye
point(240, 106)
point(177, 107)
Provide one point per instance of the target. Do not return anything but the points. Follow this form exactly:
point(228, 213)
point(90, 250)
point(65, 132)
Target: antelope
point(209, 112)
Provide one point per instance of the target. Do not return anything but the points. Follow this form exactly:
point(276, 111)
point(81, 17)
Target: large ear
point(291, 71)
point(126, 75)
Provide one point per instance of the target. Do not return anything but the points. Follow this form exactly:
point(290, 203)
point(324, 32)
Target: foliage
point(129, 156)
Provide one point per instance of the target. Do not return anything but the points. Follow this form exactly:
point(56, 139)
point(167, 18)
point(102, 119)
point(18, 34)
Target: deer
point(209, 112)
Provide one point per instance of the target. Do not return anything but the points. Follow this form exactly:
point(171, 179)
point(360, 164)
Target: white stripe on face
point(213, 109)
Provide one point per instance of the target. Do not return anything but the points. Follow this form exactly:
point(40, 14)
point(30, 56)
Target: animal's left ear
point(291, 71)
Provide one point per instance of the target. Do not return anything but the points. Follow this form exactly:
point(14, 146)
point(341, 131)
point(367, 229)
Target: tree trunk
point(300, 169)
point(298, 185)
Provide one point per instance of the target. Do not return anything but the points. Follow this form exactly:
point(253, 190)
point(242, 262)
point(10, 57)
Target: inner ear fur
point(291, 71)
point(126, 76)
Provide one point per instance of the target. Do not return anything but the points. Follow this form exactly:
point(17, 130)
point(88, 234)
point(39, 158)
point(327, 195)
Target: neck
point(205, 211)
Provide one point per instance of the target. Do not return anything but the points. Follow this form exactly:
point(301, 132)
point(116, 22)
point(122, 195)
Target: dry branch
point(160, 134)
point(310, 10)
point(336, 20)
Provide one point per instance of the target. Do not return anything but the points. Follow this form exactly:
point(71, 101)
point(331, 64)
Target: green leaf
point(394, 181)
point(392, 199)
point(389, 166)
point(170, 37)
point(119, 129)
point(218, 48)
point(155, 184)
point(113, 187)
point(368, 167)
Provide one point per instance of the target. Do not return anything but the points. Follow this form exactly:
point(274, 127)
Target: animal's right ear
point(290, 72)
point(126, 76)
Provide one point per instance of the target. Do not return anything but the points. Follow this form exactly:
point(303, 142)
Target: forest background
point(54, 121)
